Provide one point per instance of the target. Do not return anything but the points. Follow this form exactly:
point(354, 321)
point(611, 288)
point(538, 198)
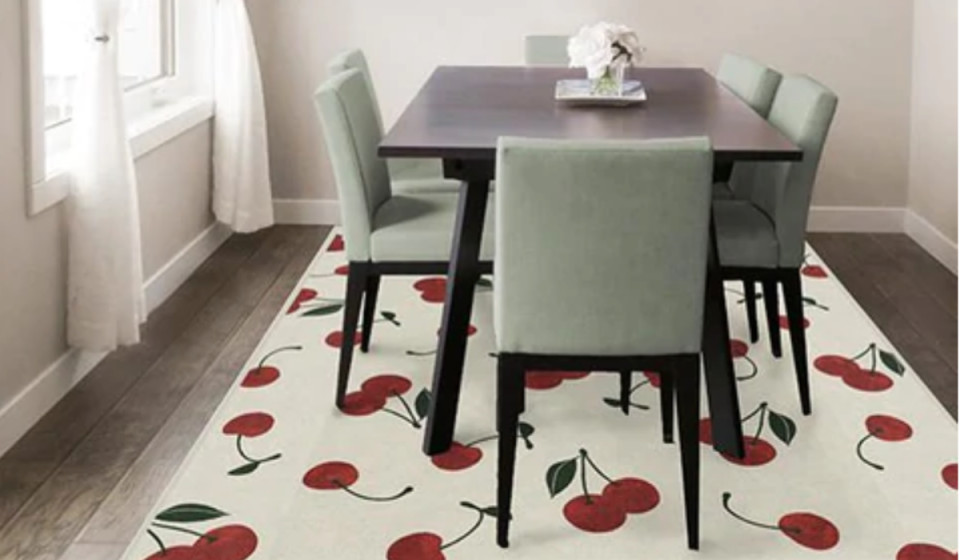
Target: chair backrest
point(546, 50)
point(751, 81)
point(356, 60)
point(601, 247)
point(803, 111)
point(353, 134)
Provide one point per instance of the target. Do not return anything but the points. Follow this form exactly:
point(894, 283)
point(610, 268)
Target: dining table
point(458, 116)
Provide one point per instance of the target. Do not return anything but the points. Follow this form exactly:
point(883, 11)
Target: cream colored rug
point(279, 474)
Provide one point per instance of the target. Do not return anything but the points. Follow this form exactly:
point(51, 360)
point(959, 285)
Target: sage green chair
point(546, 50)
point(755, 84)
point(763, 239)
point(408, 174)
point(386, 233)
point(601, 255)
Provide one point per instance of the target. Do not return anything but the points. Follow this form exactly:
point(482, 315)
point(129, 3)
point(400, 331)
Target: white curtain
point(242, 197)
point(105, 275)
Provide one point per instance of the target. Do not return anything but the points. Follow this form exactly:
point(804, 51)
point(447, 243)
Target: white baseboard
point(854, 219)
point(29, 406)
point(932, 240)
point(307, 212)
point(172, 275)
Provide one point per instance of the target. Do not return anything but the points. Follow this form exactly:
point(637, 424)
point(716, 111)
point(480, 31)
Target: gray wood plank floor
point(78, 484)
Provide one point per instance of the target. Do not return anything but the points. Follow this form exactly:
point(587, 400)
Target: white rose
point(591, 48)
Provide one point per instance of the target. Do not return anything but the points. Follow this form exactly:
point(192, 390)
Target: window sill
point(146, 134)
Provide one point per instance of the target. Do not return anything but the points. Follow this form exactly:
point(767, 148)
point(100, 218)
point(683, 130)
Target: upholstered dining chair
point(386, 233)
point(601, 255)
point(755, 84)
point(407, 174)
point(546, 50)
point(763, 239)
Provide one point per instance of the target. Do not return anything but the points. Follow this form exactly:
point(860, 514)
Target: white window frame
point(157, 111)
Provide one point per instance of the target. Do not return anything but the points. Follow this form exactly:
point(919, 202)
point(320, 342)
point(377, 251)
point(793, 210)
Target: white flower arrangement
point(603, 47)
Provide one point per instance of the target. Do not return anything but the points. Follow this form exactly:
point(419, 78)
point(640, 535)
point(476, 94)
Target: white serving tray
point(580, 92)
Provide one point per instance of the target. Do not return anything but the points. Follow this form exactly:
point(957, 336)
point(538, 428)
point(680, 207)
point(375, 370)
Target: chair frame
point(680, 376)
point(363, 288)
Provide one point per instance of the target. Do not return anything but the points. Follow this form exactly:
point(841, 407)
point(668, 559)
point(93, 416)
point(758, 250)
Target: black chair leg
point(687, 380)
point(371, 291)
point(666, 405)
point(771, 302)
point(750, 293)
point(356, 281)
point(793, 296)
point(510, 388)
point(626, 379)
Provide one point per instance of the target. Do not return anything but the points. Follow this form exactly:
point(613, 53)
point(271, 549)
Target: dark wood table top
point(462, 110)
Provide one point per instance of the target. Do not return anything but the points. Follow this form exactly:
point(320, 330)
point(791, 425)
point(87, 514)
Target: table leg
point(720, 376)
point(461, 281)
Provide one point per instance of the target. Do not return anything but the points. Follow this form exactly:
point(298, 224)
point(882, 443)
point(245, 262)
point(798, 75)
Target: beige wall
point(174, 191)
point(860, 48)
point(933, 162)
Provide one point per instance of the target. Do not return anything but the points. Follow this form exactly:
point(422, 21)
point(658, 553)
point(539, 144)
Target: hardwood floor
point(78, 484)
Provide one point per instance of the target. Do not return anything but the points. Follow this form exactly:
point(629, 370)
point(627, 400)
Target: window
point(166, 48)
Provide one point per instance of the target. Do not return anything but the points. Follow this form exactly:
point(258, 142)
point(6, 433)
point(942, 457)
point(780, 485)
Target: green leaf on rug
point(245, 469)
point(526, 430)
point(491, 511)
point(190, 513)
point(615, 403)
point(485, 284)
point(325, 310)
point(560, 475)
point(422, 404)
point(783, 427)
point(892, 363)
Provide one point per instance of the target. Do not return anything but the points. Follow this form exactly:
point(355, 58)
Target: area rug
point(279, 474)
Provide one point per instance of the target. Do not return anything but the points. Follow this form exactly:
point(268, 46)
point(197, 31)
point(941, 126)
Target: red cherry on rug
point(632, 494)
point(178, 553)
point(342, 270)
point(869, 381)
point(260, 377)
point(738, 348)
point(813, 271)
point(837, 366)
point(334, 475)
point(434, 296)
point(361, 403)
point(250, 425)
point(336, 245)
point(706, 431)
point(810, 530)
point(542, 380)
point(758, 452)
point(924, 551)
point(305, 295)
point(457, 458)
point(471, 330)
point(233, 542)
point(418, 546)
point(785, 323)
point(430, 284)
point(594, 514)
point(654, 378)
point(888, 428)
point(335, 339)
point(949, 475)
point(386, 385)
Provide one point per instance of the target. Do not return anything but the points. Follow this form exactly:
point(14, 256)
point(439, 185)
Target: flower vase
point(610, 84)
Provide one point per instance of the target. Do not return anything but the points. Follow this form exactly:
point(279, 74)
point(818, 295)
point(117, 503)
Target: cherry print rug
point(279, 474)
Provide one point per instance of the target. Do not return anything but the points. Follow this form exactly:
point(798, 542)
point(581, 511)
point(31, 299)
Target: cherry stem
point(864, 353)
point(873, 358)
point(364, 497)
point(726, 506)
point(263, 361)
point(250, 459)
point(401, 416)
point(638, 385)
point(760, 424)
point(754, 413)
point(860, 452)
point(421, 354)
point(471, 531)
point(753, 370)
point(156, 539)
point(595, 468)
point(403, 401)
point(583, 476)
point(184, 531)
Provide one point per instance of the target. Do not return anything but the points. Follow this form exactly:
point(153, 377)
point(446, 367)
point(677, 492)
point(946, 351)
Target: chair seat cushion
point(745, 235)
point(722, 191)
point(419, 228)
point(418, 176)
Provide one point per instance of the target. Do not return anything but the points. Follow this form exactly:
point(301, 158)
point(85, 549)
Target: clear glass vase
point(610, 83)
